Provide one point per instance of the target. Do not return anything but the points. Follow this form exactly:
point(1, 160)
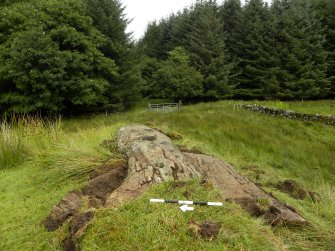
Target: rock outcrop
point(234, 187)
point(153, 158)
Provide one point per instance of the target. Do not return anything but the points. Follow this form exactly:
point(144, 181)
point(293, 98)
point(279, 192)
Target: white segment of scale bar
point(157, 200)
point(185, 202)
point(217, 204)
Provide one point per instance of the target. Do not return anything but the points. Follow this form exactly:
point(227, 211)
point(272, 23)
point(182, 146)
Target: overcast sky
point(144, 11)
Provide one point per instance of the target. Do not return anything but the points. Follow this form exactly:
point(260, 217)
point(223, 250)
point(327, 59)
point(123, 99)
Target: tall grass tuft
point(12, 148)
point(43, 143)
point(73, 160)
point(21, 136)
point(72, 155)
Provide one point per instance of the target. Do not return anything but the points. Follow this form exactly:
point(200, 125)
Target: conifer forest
point(78, 57)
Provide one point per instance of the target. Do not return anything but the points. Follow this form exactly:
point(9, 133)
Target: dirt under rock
point(102, 181)
point(79, 223)
point(66, 208)
point(292, 188)
point(69, 244)
point(266, 208)
point(104, 184)
point(94, 202)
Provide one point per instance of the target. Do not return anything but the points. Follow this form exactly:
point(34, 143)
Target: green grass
point(12, 150)
point(140, 225)
point(26, 199)
point(55, 162)
point(55, 158)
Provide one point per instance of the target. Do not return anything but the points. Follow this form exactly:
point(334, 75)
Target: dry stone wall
point(326, 119)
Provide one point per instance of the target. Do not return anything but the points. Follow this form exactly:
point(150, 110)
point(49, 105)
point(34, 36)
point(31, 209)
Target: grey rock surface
point(234, 187)
point(152, 158)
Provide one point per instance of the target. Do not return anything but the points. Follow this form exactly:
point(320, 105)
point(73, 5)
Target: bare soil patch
point(102, 182)
point(109, 179)
point(207, 230)
point(66, 208)
point(292, 188)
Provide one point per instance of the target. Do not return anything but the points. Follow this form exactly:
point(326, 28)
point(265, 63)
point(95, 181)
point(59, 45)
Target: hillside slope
point(56, 160)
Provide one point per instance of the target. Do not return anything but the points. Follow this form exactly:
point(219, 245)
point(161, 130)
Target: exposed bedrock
point(234, 187)
point(153, 158)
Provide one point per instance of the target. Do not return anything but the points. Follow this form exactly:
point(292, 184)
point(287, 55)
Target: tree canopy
point(253, 51)
point(176, 79)
point(54, 57)
point(76, 55)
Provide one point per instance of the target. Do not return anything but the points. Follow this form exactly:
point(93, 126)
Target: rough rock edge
point(234, 187)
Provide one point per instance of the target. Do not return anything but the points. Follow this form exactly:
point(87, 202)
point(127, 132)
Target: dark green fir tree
point(109, 18)
point(206, 44)
point(299, 40)
point(256, 60)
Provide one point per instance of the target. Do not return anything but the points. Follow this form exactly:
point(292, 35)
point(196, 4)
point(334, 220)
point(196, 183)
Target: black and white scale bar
point(186, 202)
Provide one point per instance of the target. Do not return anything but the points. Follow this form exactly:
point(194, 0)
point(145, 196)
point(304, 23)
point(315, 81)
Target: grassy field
point(41, 161)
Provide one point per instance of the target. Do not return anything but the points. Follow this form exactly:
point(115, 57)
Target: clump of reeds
point(21, 134)
point(12, 149)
